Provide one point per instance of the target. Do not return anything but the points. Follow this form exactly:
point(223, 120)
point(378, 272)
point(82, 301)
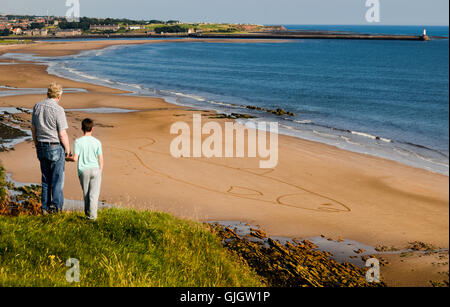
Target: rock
point(238, 115)
point(293, 265)
point(280, 111)
point(258, 233)
point(420, 246)
point(231, 231)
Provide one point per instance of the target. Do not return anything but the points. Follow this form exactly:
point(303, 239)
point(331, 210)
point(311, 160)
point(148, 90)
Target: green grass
point(121, 248)
point(14, 41)
point(207, 28)
point(2, 184)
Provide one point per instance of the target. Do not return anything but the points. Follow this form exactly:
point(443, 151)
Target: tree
point(170, 29)
point(5, 32)
point(37, 25)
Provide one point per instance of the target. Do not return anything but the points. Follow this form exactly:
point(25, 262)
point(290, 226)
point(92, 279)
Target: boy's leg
point(84, 181)
point(94, 192)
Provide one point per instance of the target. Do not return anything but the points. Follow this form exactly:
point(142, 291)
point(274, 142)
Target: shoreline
point(141, 175)
point(305, 131)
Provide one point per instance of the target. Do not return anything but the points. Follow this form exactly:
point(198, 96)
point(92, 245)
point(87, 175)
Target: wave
point(370, 136)
point(190, 96)
point(362, 134)
point(222, 103)
point(408, 153)
point(59, 68)
point(349, 141)
point(303, 122)
point(426, 148)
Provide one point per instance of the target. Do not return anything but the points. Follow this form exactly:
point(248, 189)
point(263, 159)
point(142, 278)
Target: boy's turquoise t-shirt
point(88, 149)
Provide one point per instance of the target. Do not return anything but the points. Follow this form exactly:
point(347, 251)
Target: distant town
point(26, 29)
point(51, 26)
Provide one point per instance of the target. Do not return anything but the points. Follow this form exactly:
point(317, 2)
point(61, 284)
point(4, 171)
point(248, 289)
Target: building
point(17, 31)
point(36, 32)
point(69, 32)
point(136, 27)
point(104, 28)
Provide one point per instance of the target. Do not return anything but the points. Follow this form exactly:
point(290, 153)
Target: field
point(12, 42)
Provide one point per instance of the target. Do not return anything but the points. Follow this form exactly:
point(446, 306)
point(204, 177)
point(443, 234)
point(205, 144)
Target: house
point(36, 32)
point(104, 28)
point(136, 27)
point(17, 31)
point(69, 32)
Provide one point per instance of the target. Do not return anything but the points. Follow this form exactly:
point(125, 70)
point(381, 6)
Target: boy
point(88, 153)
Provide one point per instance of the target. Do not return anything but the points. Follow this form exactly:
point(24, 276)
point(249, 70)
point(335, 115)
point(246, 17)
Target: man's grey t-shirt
point(49, 119)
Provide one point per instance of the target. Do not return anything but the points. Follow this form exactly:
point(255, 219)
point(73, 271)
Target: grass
point(14, 41)
point(2, 184)
point(122, 248)
point(206, 28)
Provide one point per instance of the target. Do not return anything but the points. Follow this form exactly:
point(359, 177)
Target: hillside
point(122, 248)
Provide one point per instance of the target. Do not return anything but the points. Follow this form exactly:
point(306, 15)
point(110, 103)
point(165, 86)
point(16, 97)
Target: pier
point(256, 35)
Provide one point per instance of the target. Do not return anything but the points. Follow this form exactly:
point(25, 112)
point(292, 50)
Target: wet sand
point(315, 189)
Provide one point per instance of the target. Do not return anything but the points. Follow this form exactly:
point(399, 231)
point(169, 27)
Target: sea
point(388, 99)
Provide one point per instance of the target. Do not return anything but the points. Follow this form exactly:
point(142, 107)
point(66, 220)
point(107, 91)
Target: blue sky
point(393, 12)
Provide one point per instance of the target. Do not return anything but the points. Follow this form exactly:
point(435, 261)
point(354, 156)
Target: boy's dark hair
point(87, 125)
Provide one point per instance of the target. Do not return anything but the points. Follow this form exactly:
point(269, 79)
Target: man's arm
point(62, 126)
point(73, 158)
point(33, 132)
point(65, 141)
point(100, 162)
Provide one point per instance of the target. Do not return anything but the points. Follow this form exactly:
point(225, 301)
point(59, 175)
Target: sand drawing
point(247, 183)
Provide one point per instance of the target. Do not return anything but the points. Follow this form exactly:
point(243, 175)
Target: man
point(49, 125)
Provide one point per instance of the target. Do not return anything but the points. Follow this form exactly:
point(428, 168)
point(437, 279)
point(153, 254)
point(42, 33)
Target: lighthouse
point(425, 36)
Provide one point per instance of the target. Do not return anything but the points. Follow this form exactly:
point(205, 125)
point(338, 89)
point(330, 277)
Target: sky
point(333, 12)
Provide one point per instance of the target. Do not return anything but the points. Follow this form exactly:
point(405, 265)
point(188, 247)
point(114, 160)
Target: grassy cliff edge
point(122, 248)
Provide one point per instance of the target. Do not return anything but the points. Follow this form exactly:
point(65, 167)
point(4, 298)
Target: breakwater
point(277, 35)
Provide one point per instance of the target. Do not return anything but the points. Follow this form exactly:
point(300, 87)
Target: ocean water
point(384, 98)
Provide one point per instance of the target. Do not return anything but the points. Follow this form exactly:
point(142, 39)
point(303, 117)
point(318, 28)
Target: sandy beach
point(316, 189)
